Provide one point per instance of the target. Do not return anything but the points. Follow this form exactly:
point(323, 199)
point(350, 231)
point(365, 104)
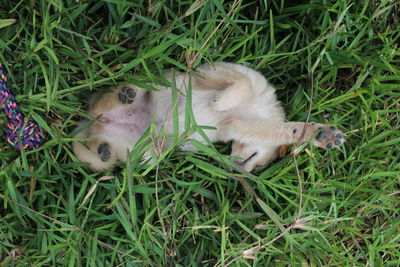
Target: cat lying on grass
point(236, 100)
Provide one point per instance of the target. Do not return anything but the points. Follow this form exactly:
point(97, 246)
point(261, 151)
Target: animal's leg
point(230, 85)
point(233, 95)
point(280, 133)
point(120, 97)
point(252, 155)
point(97, 152)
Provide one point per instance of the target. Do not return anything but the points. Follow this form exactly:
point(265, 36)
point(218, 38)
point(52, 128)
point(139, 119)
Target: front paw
point(104, 152)
point(328, 137)
point(127, 95)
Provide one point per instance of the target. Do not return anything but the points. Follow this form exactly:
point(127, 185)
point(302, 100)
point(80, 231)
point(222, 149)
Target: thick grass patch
point(338, 59)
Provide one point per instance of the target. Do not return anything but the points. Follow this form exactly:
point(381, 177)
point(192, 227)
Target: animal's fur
point(236, 100)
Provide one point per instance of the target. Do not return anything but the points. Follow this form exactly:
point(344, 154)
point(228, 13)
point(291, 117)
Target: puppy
point(236, 100)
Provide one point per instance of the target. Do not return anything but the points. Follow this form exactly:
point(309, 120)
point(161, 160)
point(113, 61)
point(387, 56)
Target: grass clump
point(340, 58)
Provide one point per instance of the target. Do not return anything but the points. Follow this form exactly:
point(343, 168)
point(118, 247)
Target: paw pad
point(104, 152)
point(328, 137)
point(127, 95)
point(322, 135)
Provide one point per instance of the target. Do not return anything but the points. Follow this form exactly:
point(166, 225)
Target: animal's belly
point(128, 125)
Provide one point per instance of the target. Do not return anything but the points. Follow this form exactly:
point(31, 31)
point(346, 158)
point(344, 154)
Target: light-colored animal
point(236, 100)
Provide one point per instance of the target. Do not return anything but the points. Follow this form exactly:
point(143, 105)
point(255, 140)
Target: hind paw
point(328, 137)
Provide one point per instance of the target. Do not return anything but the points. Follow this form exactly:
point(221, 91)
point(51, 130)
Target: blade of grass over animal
point(210, 147)
point(175, 108)
point(175, 63)
point(189, 116)
point(142, 84)
point(142, 145)
point(128, 66)
point(146, 68)
point(206, 149)
point(200, 130)
point(157, 158)
point(89, 84)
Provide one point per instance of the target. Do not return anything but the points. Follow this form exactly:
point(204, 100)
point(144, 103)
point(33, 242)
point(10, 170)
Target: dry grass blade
point(93, 188)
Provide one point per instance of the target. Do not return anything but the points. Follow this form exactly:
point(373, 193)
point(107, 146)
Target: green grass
point(189, 210)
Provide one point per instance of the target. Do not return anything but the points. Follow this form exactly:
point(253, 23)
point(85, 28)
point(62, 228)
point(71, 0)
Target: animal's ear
point(283, 149)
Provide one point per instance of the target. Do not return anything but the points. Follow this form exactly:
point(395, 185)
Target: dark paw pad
point(322, 135)
point(104, 152)
point(328, 137)
point(215, 98)
point(127, 95)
